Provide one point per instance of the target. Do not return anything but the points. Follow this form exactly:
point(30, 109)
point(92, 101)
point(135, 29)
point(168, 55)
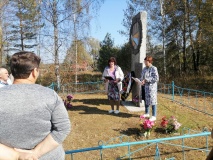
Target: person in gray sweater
point(34, 121)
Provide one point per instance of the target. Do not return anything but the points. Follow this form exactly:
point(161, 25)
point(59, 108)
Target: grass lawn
point(91, 123)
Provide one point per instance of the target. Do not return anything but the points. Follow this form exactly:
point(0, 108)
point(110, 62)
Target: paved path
point(130, 106)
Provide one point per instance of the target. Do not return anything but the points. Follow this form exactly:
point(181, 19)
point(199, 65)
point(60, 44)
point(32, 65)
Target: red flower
point(171, 124)
point(164, 123)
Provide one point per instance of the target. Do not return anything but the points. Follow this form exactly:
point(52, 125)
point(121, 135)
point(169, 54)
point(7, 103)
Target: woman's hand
point(143, 82)
point(117, 80)
point(26, 154)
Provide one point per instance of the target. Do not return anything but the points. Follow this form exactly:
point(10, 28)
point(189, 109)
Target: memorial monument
point(138, 33)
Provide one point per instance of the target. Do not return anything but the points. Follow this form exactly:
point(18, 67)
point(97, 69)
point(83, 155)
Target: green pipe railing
point(103, 146)
point(198, 100)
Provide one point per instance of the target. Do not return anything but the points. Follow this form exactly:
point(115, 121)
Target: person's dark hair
point(149, 59)
point(22, 64)
point(112, 59)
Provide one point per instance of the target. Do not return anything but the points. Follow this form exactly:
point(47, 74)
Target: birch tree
point(65, 19)
point(2, 11)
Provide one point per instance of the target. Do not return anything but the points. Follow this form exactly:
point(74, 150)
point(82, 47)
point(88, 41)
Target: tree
point(106, 52)
point(154, 24)
point(23, 28)
point(124, 58)
point(129, 13)
point(186, 26)
point(67, 18)
point(93, 48)
point(82, 56)
point(2, 7)
point(202, 54)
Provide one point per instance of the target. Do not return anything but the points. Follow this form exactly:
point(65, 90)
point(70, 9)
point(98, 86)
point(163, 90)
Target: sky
point(109, 20)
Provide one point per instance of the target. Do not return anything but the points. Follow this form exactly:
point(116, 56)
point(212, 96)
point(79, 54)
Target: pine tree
point(107, 50)
point(22, 32)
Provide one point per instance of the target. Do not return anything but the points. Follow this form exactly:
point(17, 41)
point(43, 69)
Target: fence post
point(173, 90)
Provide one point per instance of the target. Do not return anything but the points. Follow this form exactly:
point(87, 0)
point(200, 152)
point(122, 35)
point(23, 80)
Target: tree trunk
point(184, 38)
point(21, 32)
point(199, 40)
point(21, 28)
point(164, 35)
point(1, 43)
point(55, 24)
point(192, 47)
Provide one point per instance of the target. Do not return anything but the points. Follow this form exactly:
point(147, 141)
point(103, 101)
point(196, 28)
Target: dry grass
point(92, 123)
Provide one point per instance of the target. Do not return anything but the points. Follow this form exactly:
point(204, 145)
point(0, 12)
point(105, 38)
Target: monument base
point(130, 106)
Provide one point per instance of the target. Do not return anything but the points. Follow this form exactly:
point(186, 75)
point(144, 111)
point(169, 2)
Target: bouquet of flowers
point(146, 125)
point(170, 125)
point(67, 102)
point(135, 99)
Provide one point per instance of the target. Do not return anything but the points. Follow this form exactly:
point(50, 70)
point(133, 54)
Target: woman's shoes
point(111, 111)
point(153, 118)
point(146, 115)
point(116, 111)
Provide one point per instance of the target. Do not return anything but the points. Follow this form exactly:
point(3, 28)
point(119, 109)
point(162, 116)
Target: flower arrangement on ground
point(67, 102)
point(170, 124)
point(146, 125)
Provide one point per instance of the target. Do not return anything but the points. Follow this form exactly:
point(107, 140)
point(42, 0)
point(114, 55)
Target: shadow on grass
point(159, 130)
point(135, 133)
point(131, 132)
point(95, 110)
point(93, 101)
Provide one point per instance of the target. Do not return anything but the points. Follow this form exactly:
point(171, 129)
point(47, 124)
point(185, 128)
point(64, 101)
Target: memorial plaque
point(136, 34)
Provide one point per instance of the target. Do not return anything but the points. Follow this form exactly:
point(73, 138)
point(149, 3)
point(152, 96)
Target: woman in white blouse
point(113, 86)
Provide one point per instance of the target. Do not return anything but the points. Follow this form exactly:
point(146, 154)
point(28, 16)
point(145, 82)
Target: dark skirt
point(143, 93)
point(113, 92)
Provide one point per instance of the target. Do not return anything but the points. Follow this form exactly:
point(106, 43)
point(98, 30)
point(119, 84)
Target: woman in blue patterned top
point(149, 79)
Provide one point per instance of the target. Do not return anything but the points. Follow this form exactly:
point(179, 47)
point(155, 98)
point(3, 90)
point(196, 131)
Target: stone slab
point(130, 106)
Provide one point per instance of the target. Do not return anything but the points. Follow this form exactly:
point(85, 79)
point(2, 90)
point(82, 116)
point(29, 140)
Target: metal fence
point(198, 100)
point(83, 87)
point(157, 146)
point(194, 99)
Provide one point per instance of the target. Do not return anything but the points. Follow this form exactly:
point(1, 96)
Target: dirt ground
point(91, 123)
